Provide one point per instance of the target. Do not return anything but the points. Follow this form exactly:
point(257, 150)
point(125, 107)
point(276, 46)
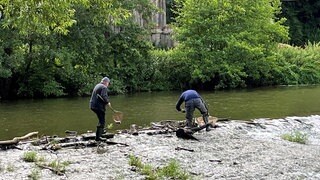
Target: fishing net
point(117, 117)
point(211, 120)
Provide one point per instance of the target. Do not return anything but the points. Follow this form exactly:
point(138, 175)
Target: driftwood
point(114, 143)
point(92, 136)
point(185, 134)
point(180, 148)
point(56, 171)
point(169, 126)
point(215, 160)
point(16, 140)
point(70, 144)
point(75, 140)
point(79, 144)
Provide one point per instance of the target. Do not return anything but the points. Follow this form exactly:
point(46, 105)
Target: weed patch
point(295, 136)
point(171, 171)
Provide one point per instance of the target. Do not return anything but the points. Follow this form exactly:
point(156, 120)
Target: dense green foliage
point(45, 51)
point(296, 65)
point(63, 48)
point(303, 18)
point(227, 43)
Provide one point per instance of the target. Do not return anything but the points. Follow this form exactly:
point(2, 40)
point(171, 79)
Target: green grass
point(10, 168)
point(170, 171)
point(58, 166)
point(295, 136)
point(30, 156)
point(35, 174)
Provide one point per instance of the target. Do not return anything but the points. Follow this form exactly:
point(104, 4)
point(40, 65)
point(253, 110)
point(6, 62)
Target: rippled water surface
point(54, 116)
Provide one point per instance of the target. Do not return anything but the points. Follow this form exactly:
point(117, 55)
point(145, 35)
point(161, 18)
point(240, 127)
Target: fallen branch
point(185, 134)
point(58, 146)
point(113, 143)
point(180, 148)
point(16, 140)
point(56, 171)
point(215, 160)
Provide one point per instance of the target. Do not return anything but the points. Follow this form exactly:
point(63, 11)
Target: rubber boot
point(99, 134)
point(205, 119)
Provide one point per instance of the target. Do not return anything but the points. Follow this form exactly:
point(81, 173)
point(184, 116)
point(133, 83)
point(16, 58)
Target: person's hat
point(105, 79)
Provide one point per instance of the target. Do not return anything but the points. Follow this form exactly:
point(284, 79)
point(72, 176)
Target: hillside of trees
point(63, 48)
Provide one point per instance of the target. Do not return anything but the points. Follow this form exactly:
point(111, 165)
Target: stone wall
point(161, 34)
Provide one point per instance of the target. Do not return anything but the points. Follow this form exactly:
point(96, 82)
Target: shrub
point(30, 156)
point(171, 171)
point(35, 174)
point(295, 136)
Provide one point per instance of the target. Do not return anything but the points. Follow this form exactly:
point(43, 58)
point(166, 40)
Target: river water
point(54, 116)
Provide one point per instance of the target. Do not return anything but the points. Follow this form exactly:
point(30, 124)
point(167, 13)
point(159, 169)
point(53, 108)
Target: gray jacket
point(99, 97)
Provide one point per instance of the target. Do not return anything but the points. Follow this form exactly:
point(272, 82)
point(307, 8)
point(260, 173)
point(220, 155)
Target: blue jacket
point(186, 96)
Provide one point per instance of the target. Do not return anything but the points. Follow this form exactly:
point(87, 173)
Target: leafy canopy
point(222, 40)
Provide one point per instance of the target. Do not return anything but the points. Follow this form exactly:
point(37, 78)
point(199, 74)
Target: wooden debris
point(16, 140)
point(113, 143)
point(75, 140)
point(185, 134)
point(92, 136)
point(56, 171)
point(215, 160)
point(180, 148)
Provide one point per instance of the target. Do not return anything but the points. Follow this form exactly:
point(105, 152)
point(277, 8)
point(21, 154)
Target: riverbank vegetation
point(296, 136)
point(64, 48)
point(171, 171)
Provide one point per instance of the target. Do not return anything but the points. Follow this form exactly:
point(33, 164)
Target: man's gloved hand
point(183, 110)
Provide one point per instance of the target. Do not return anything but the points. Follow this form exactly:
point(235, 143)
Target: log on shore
point(55, 170)
point(16, 140)
point(92, 136)
point(185, 149)
point(58, 146)
point(81, 144)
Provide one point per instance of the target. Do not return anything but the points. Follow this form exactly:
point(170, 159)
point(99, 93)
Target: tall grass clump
point(170, 171)
point(30, 156)
point(295, 136)
point(34, 175)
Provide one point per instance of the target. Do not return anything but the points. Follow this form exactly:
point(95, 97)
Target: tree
point(226, 42)
point(51, 48)
point(303, 20)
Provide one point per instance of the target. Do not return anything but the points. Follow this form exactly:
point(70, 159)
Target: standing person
point(193, 100)
point(98, 101)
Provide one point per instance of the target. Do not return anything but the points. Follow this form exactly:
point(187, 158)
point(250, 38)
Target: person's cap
point(105, 79)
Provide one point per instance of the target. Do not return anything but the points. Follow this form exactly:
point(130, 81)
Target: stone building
point(161, 34)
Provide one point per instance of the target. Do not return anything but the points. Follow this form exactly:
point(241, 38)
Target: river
point(54, 116)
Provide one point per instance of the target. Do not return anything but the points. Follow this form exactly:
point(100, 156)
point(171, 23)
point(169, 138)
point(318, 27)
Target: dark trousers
point(101, 117)
point(190, 107)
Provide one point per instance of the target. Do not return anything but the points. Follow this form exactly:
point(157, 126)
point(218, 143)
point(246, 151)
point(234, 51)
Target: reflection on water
point(54, 116)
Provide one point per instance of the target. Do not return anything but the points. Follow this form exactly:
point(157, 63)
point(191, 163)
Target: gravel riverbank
point(233, 150)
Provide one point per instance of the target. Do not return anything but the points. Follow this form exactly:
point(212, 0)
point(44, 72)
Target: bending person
point(193, 101)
